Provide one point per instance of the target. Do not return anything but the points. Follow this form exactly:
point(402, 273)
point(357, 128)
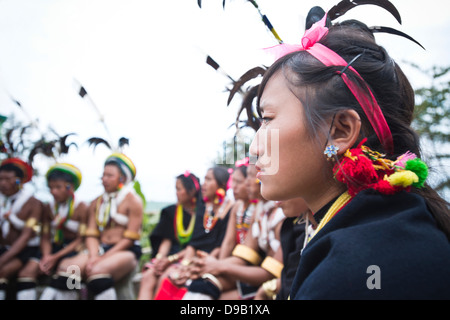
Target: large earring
point(331, 151)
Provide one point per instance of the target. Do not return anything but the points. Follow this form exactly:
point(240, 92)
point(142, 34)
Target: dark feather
point(9, 140)
point(123, 142)
point(63, 146)
point(42, 146)
point(247, 76)
point(216, 67)
point(345, 5)
point(16, 102)
point(212, 62)
point(396, 32)
point(21, 137)
point(247, 104)
point(315, 14)
point(199, 2)
point(82, 92)
point(95, 141)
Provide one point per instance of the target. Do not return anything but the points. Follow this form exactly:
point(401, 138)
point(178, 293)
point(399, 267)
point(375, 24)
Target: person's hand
point(161, 265)
point(180, 275)
point(261, 294)
point(47, 263)
point(91, 262)
point(205, 263)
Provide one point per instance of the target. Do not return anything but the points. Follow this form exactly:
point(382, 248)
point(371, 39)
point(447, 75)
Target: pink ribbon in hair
point(187, 174)
point(311, 36)
point(328, 57)
point(243, 162)
point(230, 171)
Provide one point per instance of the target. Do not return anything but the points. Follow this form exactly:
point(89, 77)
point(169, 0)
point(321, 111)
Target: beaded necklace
point(210, 218)
point(183, 235)
point(243, 219)
point(63, 214)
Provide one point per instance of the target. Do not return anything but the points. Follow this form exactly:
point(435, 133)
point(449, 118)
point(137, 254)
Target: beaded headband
point(70, 169)
point(22, 166)
point(125, 164)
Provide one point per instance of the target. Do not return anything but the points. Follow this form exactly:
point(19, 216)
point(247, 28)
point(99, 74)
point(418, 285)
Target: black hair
point(57, 175)
point(221, 175)
point(190, 186)
point(242, 169)
point(9, 167)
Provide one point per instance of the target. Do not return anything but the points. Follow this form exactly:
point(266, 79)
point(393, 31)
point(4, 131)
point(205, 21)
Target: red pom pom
point(356, 171)
point(384, 187)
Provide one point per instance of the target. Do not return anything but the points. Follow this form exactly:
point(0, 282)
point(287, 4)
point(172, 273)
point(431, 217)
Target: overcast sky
point(143, 65)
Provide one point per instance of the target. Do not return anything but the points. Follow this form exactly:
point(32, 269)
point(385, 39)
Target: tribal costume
point(12, 224)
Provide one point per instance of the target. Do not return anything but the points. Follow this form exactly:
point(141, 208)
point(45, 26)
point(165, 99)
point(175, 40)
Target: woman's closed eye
point(265, 120)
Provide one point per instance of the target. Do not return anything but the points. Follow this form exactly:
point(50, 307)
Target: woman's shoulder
point(169, 208)
point(395, 225)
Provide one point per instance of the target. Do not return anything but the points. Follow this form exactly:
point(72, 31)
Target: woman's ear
point(345, 130)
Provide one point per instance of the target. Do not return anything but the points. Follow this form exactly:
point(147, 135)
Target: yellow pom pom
point(403, 178)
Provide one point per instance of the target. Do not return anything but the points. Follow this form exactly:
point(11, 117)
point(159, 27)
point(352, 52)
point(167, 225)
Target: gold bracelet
point(247, 254)
point(133, 235)
point(92, 233)
point(273, 266)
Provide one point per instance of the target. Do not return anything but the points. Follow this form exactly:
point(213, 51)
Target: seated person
point(63, 230)
point(251, 263)
point(208, 231)
point(168, 243)
point(113, 231)
point(20, 221)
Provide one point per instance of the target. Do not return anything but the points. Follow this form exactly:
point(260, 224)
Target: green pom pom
point(420, 168)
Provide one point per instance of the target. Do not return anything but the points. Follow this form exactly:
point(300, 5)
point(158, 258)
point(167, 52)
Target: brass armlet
point(273, 266)
point(31, 222)
point(247, 254)
point(92, 233)
point(82, 229)
point(133, 235)
point(46, 229)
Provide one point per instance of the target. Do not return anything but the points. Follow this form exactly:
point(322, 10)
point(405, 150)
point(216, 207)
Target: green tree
point(432, 122)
